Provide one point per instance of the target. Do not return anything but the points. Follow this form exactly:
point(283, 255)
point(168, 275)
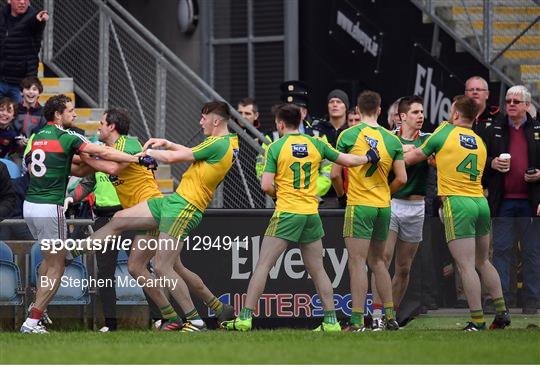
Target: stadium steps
point(510, 17)
point(57, 85)
point(44, 97)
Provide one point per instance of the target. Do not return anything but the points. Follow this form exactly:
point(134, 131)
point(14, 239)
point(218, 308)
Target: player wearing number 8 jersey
point(290, 173)
point(51, 154)
point(461, 157)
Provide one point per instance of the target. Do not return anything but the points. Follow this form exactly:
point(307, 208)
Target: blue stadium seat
point(10, 278)
point(13, 169)
point(126, 295)
point(76, 270)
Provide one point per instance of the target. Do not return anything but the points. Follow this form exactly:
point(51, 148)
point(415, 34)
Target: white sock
point(377, 314)
point(31, 322)
point(197, 323)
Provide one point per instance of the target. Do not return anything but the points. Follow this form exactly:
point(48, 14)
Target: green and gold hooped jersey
point(368, 184)
point(461, 157)
point(295, 160)
point(213, 159)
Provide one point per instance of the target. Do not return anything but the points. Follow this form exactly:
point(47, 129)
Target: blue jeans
point(516, 222)
point(12, 91)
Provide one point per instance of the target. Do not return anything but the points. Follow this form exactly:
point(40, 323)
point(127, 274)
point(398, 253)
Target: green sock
point(500, 306)
point(330, 317)
point(215, 305)
point(193, 315)
point(168, 313)
point(245, 313)
point(357, 317)
point(389, 310)
point(477, 317)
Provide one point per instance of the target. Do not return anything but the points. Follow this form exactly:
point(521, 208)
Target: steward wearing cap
point(297, 93)
point(338, 105)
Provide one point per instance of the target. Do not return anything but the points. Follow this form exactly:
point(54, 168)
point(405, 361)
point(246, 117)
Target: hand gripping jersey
point(295, 159)
point(461, 157)
point(51, 152)
point(368, 184)
point(416, 174)
point(135, 183)
point(213, 159)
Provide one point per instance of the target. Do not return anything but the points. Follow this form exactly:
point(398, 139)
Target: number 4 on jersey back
point(469, 166)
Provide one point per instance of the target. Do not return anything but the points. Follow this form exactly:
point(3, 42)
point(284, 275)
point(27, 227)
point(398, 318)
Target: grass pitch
point(427, 340)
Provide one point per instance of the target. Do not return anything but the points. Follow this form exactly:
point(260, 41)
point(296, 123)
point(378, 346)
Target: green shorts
point(175, 215)
point(465, 217)
point(367, 222)
point(297, 228)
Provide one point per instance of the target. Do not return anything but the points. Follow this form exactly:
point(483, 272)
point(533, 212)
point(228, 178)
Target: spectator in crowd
point(7, 195)
point(29, 111)
point(249, 110)
point(393, 115)
point(8, 134)
point(338, 104)
point(353, 118)
point(514, 193)
point(21, 31)
point(477, 88)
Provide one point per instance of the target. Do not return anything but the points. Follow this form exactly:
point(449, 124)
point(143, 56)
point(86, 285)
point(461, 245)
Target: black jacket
point(20, 42)
point(325, 128)
point(29, 120)
point(485, 120)
point(497, 143)
point(7, 195)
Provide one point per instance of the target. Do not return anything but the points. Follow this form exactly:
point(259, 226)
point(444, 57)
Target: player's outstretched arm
point(109, 153)
point(267, 184)
point(353, 160)
point(102, 165)
point(162, 143)
point(184, 154)
point(400, 179)
point(414, 156)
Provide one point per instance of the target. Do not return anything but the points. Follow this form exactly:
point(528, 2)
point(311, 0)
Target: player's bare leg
point(358, 253)
point(377, 302)
point(312, 255)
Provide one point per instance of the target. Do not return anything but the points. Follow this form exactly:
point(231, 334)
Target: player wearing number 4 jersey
point(461, 157)
point(51, 156)
point(290, 173)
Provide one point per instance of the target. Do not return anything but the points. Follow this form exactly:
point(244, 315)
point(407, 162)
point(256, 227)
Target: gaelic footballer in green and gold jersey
point(461, 157)
point(290, 174)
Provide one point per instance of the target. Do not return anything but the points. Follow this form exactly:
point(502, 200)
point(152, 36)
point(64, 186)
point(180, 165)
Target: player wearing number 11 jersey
point(290, 173)
point(461, 157)
point(51, 154)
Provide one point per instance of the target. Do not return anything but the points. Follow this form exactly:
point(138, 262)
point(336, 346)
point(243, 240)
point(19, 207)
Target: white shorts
point(45, 221)
point(407, 219)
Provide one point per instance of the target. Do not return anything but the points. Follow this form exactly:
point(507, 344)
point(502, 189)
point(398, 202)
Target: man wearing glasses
point(514, 193)
point(476, 88)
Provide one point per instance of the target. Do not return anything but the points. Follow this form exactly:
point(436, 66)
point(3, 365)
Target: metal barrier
point(501, 34)
point(115, 61)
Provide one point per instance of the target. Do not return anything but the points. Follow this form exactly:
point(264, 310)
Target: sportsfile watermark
point(113, 242)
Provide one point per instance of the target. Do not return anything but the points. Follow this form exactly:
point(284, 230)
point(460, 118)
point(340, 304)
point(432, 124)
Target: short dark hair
point(368, 102)
point(120, 118)
point(55, 104)
point(6, 102)
point(29, 81)
point(249, 101)
point(466, 106)
point(405, 103)
point(218, 108)
point(289, 113)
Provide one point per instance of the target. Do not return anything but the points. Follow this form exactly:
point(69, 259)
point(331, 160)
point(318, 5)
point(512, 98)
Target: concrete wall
point(160, 18)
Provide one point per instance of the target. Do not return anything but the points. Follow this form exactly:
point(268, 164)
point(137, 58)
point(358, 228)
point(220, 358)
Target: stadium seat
point(126, 295)
point(13, 169)
point(76, 270)
point(10, 276)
